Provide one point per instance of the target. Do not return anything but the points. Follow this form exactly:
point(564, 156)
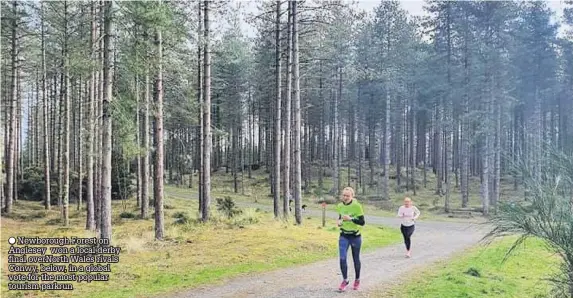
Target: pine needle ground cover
point(192, 254)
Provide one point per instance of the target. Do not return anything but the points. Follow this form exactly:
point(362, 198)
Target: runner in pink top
point(408, 213)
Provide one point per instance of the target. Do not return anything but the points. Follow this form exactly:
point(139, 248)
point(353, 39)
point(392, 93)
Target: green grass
point(479, 272)
point(192, 254)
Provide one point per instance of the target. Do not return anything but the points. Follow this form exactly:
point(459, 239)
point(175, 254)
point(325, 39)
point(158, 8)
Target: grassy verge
point(192, 254)
point(479, 272)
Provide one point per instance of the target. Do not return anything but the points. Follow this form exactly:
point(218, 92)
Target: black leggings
point(407, 233)
point(355, 242)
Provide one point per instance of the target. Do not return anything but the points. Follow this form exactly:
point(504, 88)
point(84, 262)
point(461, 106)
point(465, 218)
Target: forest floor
point(248, 254)
point(432, 241)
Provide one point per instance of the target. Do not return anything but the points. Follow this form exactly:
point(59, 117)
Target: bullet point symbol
point(11, 240)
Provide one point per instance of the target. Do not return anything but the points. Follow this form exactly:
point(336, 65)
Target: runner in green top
point(350, 221)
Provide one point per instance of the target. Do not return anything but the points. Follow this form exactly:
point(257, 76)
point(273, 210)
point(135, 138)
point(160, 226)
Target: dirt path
point(432, 241)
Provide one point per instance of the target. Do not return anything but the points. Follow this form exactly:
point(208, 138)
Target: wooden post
point(323, 214)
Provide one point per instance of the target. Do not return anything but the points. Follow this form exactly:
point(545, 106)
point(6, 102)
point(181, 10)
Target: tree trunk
point(34, 126)
point(425, 156)
point(321, 132)
point(515, 145)
point(260, 132)
point(46, 155)
point(485, 177)
point(90, 219)
point(100, 145)
point(334, 141)
point(251, 134)
point(465, 146)
point(138, 125)
point(145, 167)
point(485, 192)
point(352, 132)
point(18, 154)
point(307, 154)
point(398, 142)
point(4, 139)
point(73, 127)
point(138, 138)
point(235, 154)
point(413, 145)
point(80, 144)
point(497, 156)
point(66, 128)
point(10, 156)
point(287, 128)
point(438, 153)
point(158, 140)
point(61, 144)
point(297, 119)
point(170, 162)
point(53, 126)
point(106, 231)
point(385, 186)
point(371, 149)
point(201, 127)
point(277, 138)
point(242, 158)
point(447, 160)
point(445, 109)
point(361, 147)
point(207, 117)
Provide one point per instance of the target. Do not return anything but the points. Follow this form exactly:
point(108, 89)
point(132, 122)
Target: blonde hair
point(407, 199)
point(350, 189)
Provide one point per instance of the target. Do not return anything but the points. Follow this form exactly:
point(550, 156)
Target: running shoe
point(343, 285)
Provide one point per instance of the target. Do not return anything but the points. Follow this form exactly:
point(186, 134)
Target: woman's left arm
point(416, 212)
point(360, 219)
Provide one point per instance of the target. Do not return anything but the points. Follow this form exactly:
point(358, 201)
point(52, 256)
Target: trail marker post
point(323, 214)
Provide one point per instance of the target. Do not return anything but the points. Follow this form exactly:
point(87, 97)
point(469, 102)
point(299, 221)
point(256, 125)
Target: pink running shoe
point(343, 285)
point(356, 285)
